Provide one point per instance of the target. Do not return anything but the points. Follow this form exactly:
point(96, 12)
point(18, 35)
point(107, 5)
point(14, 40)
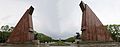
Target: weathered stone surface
point(99, 44)
point(23, 31)
point(92, 28)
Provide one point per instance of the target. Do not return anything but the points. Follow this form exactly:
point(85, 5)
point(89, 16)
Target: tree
point(4, 36)
point(5, 28)
point(11, 29)
point(115, 31)
point(5, 32)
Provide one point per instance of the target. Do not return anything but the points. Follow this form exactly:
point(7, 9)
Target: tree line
point(6, 30)
point(113, 29)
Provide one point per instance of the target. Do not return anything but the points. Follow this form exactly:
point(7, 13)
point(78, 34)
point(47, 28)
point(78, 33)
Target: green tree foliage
point(115, 31)
point(5, 32)
point(4, 36)
point(71, 39)
point(43, 38)
point(5, 28)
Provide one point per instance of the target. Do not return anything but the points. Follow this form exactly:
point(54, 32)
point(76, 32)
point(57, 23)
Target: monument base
point(24, 45)
point(33, 43)
point(98, 44)
point(36, 42)
point(77, 41)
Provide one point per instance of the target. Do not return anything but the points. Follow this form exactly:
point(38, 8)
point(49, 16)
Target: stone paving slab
point(110, 44)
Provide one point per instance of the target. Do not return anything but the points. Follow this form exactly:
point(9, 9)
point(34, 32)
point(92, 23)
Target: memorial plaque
point(23, 31)
point(92, 28)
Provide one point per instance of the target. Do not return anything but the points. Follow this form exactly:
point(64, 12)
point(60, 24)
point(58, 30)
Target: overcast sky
point(58, 18)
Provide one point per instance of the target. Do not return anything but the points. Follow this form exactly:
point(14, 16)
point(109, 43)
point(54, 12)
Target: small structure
point(77, 39)
point(92, 28)
point(23, 31)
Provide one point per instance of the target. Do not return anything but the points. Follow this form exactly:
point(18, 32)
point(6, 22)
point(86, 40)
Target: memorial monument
point(92, 28)
point(23, 31)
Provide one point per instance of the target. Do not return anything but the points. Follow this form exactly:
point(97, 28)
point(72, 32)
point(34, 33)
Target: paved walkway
point(29, 45)
point(62, 46)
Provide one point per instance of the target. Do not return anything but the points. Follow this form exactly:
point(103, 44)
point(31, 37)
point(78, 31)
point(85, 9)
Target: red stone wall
point(22, 31)
point(92, 28)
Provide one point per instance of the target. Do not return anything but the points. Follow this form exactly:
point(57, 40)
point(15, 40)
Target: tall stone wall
point(92, 27)
point(23, 31)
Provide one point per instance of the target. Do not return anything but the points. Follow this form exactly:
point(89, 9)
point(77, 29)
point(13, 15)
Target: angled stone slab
point(23, 31)
point(92, 28)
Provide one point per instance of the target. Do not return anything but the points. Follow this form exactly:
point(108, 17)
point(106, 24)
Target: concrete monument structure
point(92, 28)
point(23, 31)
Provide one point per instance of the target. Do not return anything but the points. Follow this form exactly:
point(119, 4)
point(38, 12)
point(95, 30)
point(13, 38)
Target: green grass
point(59, 43)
